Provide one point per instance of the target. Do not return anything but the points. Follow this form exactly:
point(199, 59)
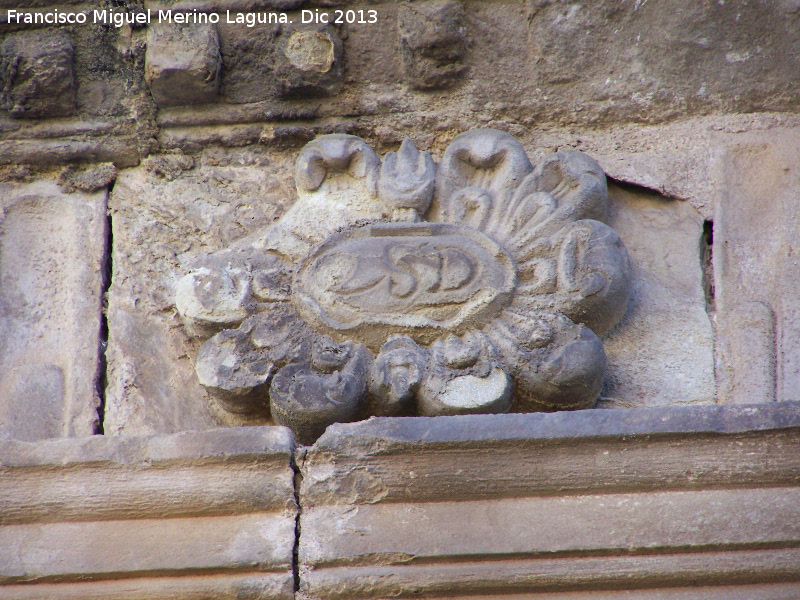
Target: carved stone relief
point(401, 287)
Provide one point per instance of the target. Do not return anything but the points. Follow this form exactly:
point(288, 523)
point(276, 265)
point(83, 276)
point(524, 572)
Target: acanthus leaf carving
point(336, 153)
point(407, 178)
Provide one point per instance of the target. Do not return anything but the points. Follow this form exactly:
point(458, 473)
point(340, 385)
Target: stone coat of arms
point(403, 287)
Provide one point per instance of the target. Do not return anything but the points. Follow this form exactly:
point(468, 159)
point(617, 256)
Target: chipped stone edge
point(584, 424)
point(393, 471)
point(481, 457)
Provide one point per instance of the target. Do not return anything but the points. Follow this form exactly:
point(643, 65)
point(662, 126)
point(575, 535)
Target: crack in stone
point(297, 458)
point(101, 379)
point(707, 265)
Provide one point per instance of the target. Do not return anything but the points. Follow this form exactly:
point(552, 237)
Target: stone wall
point(131, 151)
point(188, 134)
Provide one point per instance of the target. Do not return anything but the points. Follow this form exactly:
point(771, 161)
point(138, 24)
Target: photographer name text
point(249, 19)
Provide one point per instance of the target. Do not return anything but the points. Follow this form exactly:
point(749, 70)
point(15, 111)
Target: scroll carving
point(400, 287)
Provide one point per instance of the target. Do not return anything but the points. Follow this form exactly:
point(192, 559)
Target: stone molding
point(196, 514)
point(482, 506)
point(695, 502)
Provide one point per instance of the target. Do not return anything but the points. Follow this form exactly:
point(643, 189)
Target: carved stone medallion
point(402, 287)
point(422, 280)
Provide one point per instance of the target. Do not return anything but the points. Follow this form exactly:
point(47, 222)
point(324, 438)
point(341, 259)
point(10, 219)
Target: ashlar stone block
point(193, 515)
point(433, 43)
point(662, 351)
point(52, 260)
point(497, 506)
point(757, 265)
point(182, 63)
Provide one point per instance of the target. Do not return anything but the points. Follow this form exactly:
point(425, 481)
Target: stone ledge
point(552, 526)
point(590, 578)
point(515, 455)
point(215, 445)
point(773, 591)
point(36, 552)
point(582, 424)
point(122, 150)
point(251, 586)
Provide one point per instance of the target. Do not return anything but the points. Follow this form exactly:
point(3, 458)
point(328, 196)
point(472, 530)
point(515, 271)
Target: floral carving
point(397, 287)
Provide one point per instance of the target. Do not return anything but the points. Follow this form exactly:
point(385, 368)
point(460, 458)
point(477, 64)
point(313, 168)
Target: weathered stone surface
point(756, 249)
point(248, 54)
point(259, 542)
point(662, 352)
point(307, 397)
point(396, 374)
point(754, 572)
point(37, 74)
point(310, 61)
point(183, 63)
point(216, 507)
point(165, 214)
point(88, 179)
point(746, 354)
point(531, 67)
point(122, 150)
point(34, 402)
point(536, 527)
point(499, 292)
point(52, 257)
point(286, 137)
point(566, 501)
point(433, 43)
point(86, 83)
point(224, 471)
point(272, 63)
point(462, 278)
point(502, 455)
point(150, 389)
point(657, 58)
